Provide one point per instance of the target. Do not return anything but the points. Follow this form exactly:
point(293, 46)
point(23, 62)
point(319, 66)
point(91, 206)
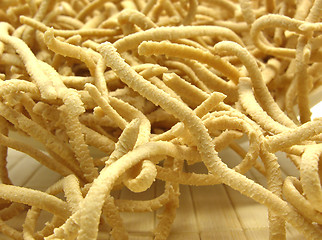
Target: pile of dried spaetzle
point(152, 85)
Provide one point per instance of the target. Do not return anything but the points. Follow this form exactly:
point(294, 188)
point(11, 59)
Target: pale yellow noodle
point(121, 93)
point(178, 50)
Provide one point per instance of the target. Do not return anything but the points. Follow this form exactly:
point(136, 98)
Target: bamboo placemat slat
point(223, 235)
point(185, 221)
point(23, 169)
point(184, 236)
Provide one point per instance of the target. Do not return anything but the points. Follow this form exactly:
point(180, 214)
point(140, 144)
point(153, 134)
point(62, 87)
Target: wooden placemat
point(209, 212)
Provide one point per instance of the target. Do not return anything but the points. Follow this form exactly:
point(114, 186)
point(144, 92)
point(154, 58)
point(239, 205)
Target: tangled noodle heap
point(153, 85)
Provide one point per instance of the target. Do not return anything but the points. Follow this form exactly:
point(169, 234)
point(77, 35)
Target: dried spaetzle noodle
point(122, 93)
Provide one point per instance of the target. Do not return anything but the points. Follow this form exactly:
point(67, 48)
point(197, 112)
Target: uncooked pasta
point(123, 93)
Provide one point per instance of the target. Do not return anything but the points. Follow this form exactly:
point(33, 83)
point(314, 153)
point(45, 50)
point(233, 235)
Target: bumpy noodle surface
point(152, 85)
